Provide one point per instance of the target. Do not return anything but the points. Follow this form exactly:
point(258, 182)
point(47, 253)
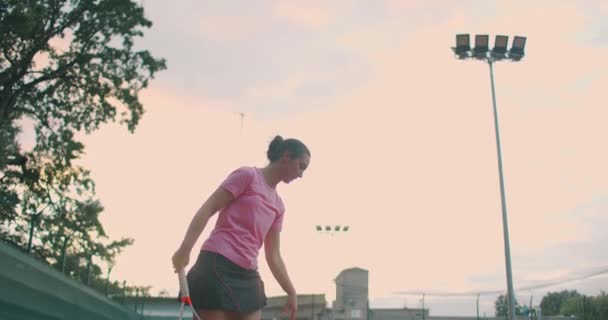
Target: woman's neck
point(272, 175)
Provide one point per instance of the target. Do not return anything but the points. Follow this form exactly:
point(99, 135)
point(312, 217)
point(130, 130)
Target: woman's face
point(294, 168)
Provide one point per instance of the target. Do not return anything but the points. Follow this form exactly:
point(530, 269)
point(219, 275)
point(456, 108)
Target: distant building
point(352, 300)
point(399, 314)
point(310, 307)
point(351, 295)
point(352, 303)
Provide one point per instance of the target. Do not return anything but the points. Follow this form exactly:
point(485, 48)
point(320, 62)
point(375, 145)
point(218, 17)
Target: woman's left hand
point(291, 306)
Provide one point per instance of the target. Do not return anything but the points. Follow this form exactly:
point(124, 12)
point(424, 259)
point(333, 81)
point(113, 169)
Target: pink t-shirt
point(242, 225)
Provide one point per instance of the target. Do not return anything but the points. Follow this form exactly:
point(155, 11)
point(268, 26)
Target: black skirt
point(216, 283)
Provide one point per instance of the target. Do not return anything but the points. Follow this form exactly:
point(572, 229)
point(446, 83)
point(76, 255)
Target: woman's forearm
point(279, 271)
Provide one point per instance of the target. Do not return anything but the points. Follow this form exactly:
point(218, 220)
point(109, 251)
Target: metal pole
point(108, 279)
point(530, 308)
point(63, 256)
point(505, 226)
point(124, 291)
point(423, 317)
point(89, 269)
point(136, 297)
point(478, 306)
point(312, 314)
point(33, 223)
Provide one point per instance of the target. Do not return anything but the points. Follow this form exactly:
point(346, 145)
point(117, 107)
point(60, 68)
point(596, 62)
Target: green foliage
point(586, 307)
point(72, 65)
point(501, 308)
point(566, 303)
point(67, 66)
point(552, 302)
point(9, 199)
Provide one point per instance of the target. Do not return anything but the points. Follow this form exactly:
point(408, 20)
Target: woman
point(224, 282)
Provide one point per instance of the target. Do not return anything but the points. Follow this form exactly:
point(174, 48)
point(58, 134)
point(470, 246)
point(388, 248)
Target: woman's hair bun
point(278, 146)
point(274, 149)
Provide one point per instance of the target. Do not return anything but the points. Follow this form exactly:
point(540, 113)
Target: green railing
point(30, 289)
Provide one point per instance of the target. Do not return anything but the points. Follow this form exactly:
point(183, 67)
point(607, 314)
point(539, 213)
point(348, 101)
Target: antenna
point(242, 115)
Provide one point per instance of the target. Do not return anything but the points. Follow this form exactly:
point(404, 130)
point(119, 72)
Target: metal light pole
point(505, 225)
point(89, 269)
point(33, 223)
point(478, 306)
point(423, 317)
point(499, 52)
point(63, 255)
point(108, 278)
point(530, 308)
point(312, 313)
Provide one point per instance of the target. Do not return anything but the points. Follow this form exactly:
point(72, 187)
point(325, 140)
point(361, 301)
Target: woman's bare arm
point(218, 200)
point(272, 245)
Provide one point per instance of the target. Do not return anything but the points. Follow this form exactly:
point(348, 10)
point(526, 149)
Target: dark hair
point(278, 146)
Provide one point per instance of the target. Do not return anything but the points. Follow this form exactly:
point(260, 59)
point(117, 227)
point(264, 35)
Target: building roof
point(356, 269)
point(352, 270)
point(303, 300)
point(396, 309)
point(279, 301)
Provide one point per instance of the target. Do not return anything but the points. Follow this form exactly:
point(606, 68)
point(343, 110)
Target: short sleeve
point(277, 224)
point(238, 181)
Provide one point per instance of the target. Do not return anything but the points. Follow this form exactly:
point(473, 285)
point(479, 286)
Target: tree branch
point(80, 57)
point(18, 70)
point(35, 114)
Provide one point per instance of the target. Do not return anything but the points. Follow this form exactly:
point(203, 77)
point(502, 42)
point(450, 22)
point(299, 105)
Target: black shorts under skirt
point(216, 283)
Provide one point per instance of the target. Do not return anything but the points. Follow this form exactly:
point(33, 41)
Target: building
point(352, 300)
point(352, 303)
point(310, 307)
point(399, 314)
point(351, 295)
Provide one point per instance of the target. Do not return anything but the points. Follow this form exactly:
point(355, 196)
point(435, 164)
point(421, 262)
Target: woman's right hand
point(180, 259)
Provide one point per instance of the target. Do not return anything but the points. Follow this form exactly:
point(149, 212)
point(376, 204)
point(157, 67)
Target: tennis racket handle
point(183, 283)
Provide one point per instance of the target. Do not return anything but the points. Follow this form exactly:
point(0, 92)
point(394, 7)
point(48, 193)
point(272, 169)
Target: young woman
point(224, 282)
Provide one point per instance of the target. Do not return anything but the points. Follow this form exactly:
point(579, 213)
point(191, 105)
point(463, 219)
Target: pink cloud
point(419, 4)
point(227, 27)
point(303, 13)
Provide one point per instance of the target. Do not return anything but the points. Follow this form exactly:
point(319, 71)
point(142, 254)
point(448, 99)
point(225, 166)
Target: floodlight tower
point(327, 229)
point(498, 53)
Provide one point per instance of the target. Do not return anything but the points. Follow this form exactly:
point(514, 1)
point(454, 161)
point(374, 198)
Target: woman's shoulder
point(249, 170)
point(244, 174)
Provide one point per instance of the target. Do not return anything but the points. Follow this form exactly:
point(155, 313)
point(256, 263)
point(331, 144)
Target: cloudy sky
point(402, 141)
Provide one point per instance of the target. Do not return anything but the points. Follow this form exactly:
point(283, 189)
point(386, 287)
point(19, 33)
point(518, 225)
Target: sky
point(402, 141)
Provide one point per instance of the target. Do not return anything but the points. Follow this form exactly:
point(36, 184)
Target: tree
point(164, 293)
point(501, 307)
point(67, 66)
point(552, 302)
point(586, 307)
point(70, 64)
point(8, 199)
